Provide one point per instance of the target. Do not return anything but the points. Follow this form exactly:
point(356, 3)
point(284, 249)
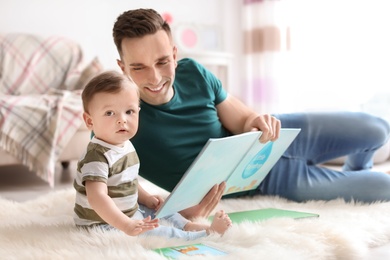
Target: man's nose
point(154, 76)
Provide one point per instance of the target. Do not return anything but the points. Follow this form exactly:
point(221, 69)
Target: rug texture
point(43, 228)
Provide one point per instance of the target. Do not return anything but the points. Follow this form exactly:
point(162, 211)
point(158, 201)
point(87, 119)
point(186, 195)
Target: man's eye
point(137, 68)
point(162, 62)
point(109, 113)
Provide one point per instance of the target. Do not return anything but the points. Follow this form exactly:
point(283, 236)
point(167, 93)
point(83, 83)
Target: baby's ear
point(88, 121)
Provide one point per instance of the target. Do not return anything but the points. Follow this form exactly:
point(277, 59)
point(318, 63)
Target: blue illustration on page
point(258, 161)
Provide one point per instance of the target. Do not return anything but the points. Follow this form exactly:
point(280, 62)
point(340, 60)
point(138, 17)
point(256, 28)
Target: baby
point(108, 194)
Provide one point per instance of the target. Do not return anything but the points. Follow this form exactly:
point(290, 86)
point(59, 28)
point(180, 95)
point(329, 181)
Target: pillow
point(78, 79)
point(33, 64)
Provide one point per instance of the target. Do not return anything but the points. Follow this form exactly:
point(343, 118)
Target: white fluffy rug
point(43, 229)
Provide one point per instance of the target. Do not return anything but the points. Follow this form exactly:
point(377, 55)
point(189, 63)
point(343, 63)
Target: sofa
point(41, 79)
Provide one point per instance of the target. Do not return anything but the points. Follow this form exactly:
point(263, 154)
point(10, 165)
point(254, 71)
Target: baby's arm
point(150, 201)
point(105, 207)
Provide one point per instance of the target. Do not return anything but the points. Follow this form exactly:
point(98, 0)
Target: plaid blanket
point(36, 128)
point(40, 105)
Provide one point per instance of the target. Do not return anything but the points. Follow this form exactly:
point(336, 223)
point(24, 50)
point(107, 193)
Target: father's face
point(150, 61)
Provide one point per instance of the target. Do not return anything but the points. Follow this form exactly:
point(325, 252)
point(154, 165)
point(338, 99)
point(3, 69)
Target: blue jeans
point(325, 136)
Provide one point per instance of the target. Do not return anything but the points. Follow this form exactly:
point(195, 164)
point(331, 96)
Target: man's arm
point(239, 118)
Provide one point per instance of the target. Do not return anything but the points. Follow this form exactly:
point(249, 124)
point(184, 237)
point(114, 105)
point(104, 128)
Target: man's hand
point(207, 205)
point(269, 125)
point(239, 118)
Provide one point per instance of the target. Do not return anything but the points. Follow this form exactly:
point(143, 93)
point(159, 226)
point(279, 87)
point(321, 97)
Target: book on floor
point(267, 213)
point(239, 160)
point(199, 249)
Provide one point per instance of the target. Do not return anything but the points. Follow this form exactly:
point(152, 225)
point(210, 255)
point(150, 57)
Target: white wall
point(90, 21)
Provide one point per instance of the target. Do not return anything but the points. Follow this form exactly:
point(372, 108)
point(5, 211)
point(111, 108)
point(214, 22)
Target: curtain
point(266, 45)
point(316, 55)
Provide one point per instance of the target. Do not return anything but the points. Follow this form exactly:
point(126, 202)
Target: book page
point(213, 165)
point(259, 160)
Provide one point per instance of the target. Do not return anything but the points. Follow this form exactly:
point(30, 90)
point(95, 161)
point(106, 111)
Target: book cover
point(189, 250)
point(239, 160)
point(268, 213)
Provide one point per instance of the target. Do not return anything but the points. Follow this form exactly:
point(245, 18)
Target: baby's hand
point(154, 202)
point(137, 227)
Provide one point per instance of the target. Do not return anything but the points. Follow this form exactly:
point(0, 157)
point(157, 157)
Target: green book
point(264, 214)
point(199, 249)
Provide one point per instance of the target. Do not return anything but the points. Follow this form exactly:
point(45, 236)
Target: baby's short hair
point(108, 82)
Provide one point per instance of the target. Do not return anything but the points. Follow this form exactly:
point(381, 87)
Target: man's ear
point(88, 121)
point(121, 65)
point(175, 55)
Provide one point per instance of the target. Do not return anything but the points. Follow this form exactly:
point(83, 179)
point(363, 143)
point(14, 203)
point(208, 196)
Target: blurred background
point(278, 56)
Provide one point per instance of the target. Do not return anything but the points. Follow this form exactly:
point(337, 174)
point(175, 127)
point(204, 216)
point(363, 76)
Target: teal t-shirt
point(170, 136)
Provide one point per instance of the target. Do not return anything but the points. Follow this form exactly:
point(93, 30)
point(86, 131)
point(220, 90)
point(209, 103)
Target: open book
point(239, 160)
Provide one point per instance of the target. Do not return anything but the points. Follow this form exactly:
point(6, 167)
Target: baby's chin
point(122, 140)
point(116, 141)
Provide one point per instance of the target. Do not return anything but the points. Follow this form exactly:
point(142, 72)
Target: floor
point(19, 184)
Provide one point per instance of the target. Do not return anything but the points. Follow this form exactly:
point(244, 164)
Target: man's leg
point(325, 136)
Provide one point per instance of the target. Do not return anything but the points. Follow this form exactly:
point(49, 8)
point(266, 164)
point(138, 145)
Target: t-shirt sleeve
point(93, 168)
point(220, 94)
point(94, 171)
point(214, 83)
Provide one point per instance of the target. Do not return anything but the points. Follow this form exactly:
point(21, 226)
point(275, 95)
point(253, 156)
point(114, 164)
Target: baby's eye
point(129, 112)
point(109, 113)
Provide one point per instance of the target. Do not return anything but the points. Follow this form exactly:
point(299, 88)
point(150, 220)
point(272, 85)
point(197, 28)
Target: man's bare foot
point(221, 222)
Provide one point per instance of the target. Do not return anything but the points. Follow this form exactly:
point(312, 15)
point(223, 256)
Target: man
point(183, 105)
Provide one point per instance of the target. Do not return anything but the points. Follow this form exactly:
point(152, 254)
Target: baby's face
point(113, 117)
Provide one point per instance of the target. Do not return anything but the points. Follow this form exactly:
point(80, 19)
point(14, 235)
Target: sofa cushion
point(81, 77)
point(33, 64)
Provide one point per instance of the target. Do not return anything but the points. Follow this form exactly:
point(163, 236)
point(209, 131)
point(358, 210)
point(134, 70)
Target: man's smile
point(157, 89)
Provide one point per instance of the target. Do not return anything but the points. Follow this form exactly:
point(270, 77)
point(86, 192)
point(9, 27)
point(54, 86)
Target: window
point(339, 58)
